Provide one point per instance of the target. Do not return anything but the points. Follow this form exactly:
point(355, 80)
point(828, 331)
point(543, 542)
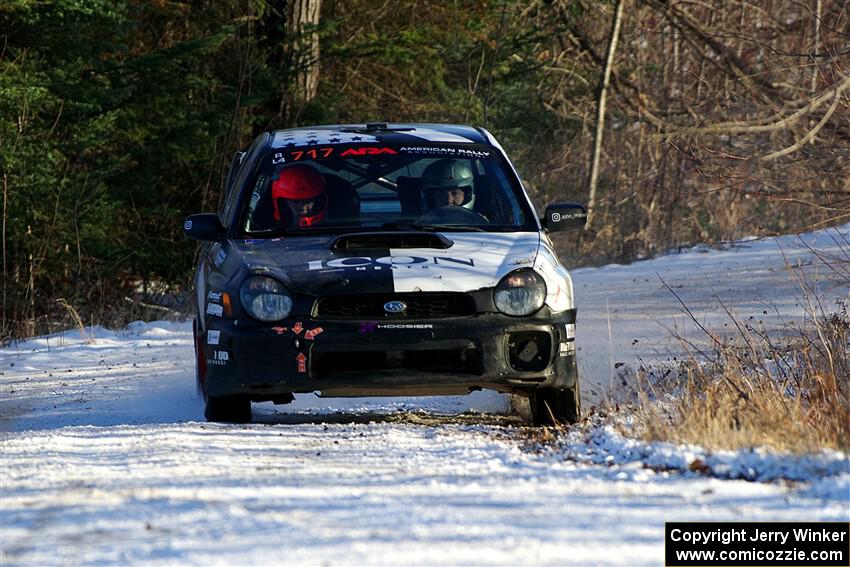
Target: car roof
point(378, 132)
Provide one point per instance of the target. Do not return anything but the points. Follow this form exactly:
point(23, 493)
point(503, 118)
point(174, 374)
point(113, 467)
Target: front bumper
point(389, 357)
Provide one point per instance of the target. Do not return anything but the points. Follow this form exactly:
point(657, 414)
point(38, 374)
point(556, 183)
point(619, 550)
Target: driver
point(299, 196)
point(449, 190)
point(449, 182)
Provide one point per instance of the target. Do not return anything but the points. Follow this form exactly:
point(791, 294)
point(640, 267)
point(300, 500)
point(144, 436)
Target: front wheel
point(228, 409)
point(550, 406)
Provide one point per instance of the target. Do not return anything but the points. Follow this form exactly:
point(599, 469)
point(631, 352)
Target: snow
point(105, 459)
point(758, 281)
point(603, 445)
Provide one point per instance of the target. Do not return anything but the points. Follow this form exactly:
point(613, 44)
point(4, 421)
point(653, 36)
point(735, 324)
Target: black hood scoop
point(383, 240)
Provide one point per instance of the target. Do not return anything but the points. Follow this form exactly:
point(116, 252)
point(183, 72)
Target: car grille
point(371, 306)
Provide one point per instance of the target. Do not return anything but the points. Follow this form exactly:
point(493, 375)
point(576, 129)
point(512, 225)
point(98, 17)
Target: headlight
point(265, 298)
point(520, 293)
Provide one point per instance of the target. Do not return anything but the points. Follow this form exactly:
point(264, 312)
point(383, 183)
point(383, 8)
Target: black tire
point(228, 409)
point(562, 404)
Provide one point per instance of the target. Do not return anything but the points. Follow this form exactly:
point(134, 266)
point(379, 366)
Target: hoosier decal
point(372, 326)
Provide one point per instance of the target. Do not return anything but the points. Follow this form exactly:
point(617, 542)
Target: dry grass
point(75, 316)
point(792, 395)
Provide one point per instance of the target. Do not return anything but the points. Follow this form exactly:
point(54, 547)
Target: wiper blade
point(304, 231)
point(430, 227)
point(405, 226)
point(459, 228)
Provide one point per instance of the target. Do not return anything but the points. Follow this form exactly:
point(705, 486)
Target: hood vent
point(380, 240)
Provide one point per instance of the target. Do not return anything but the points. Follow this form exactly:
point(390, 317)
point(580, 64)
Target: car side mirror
point(564, 216)
point(204, 226)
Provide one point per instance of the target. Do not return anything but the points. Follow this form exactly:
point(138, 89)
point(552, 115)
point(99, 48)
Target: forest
point(675, 121)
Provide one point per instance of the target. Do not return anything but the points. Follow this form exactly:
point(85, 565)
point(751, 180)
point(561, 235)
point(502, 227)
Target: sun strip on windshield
point(323, 152)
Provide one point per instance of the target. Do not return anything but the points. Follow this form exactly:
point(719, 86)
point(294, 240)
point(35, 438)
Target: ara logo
point(395, 306)
point(361, 263)
point(367, 151)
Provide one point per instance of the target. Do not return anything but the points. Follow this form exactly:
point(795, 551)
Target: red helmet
point(303, 191)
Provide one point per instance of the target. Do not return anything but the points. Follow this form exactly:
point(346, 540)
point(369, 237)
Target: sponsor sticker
point(368, 327)
point(215, 309)
point(445, 151)
point(392, 262)
point(566, 349)
point(214, 296)
point(301, 363)
point(367, 151)
point(220, 358)
point(372, 326)
point(297, 328)
point(312, 333)
point(220, 258)
point(213, 337)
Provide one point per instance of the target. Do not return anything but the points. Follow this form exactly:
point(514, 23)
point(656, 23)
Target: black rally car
point(381, 259)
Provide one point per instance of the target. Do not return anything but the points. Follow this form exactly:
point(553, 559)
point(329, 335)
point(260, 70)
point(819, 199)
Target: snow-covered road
point(105, 458)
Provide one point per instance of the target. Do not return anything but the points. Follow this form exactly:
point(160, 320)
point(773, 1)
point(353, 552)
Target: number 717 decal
point(312, 153)
point(320, 153)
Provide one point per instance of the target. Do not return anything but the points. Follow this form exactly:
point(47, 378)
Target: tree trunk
point(302, 50)
point(818, 16)
point(600, 110)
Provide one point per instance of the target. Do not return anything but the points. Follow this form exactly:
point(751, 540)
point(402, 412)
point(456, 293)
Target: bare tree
point(600, 109)
point(708, 116)
point(302, 50)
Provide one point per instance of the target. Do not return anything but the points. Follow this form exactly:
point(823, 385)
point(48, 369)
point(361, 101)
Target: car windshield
point(449, 187)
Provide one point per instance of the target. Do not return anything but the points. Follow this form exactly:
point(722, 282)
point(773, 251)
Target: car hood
point(306, 264)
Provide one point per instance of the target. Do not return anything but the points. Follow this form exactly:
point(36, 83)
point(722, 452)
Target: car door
point(213, 254)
